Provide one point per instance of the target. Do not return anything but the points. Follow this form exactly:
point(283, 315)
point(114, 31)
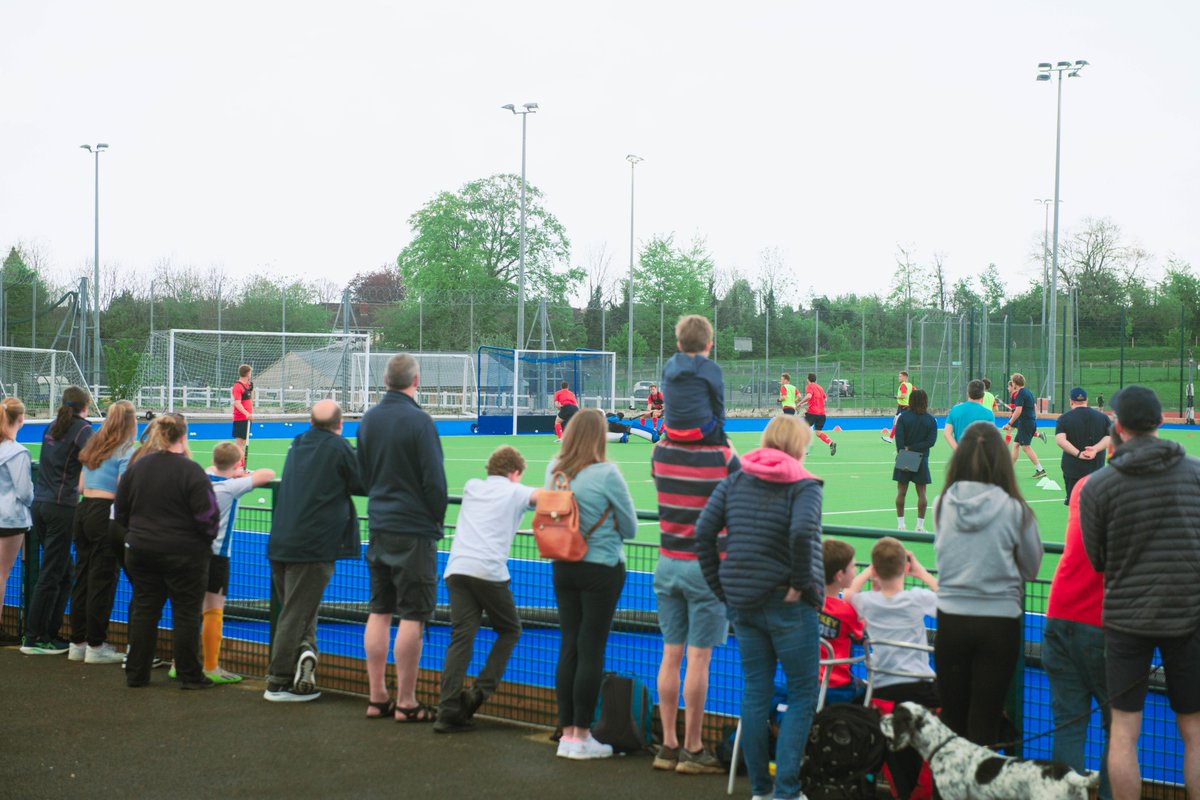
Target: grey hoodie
point(987, 547)
point(16, 485)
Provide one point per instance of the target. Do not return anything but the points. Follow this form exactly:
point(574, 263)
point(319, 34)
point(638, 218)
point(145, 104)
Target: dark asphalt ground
point(72, 730)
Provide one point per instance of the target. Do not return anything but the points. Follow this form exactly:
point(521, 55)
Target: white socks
point(900, 524)
point(920, 525)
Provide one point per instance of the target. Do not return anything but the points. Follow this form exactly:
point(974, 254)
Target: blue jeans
point(786, 633)
point(1073, 657)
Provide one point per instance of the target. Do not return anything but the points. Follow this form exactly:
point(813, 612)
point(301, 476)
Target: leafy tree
point(674, 277)
point(121, 362)
point(382, 285)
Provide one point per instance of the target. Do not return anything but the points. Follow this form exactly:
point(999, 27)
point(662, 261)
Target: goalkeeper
point(243, 407)
point(567, 404)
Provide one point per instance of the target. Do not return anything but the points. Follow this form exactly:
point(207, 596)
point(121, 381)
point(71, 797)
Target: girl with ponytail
point(97, 536)
point(16, 494)
point(55, 497)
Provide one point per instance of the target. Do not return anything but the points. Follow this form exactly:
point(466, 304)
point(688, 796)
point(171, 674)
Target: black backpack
point(624, 714)
point(844, 751)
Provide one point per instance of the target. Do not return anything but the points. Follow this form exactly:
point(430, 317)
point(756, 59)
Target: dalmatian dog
point(962, 770)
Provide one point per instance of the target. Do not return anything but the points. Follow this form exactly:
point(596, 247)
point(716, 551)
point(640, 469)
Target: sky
point(296, 138)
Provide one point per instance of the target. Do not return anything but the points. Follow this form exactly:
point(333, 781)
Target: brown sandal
point(418, 713)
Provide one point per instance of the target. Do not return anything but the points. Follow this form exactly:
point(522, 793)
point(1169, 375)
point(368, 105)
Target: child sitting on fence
point(896, 614)
point(693, 386)
point(840, 624)
point(477, 580)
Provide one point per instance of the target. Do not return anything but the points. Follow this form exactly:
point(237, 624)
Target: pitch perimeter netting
point(517, 385)
point(447, 384)
point(37, 377)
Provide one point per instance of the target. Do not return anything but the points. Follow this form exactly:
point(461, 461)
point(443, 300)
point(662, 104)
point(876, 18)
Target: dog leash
point(1006, 746)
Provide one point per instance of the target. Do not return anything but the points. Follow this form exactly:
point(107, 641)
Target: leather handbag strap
point(599, 522)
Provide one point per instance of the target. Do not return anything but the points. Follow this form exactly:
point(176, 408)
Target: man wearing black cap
point(1141, 527)
point(1082, 433)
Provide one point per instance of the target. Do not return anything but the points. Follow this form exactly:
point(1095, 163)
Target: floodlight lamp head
point(509, 107)
point(1045, 65)
point(1080, 64)
point(632, 159)
point(87, 147)
point(1063, 65)
point(1043, 76)
point(531, 106)
point(101, 146)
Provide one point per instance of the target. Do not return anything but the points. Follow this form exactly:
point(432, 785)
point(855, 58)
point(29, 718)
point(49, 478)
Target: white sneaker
point(901, 527)
point(305, 678)
point(77, 652)
point(104, 654)
point(920, 528)
point(589, 748)
point(566, 746)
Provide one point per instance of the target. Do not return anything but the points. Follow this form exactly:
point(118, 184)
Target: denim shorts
point(688, 612)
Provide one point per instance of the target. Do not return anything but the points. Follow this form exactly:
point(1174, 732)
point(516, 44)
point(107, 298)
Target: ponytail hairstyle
point(75, 401)
point(11, 410)
point(118, 431)
point(160, 434)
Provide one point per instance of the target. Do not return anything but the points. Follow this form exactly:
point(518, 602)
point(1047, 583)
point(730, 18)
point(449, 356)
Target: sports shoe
point(1041, 473)
point(470, 700)
point(221, 676)
point(453, 726)
point(276, 693)
point(51, 648)
point(588, 749)
point(885, 437)
point(304, 680)
point(78, 652)
point(566, 746)
point(700, 763)
point(833, 448)
point(104, 654)
point(666, 757)
point(1042, 435)
point(204, 683)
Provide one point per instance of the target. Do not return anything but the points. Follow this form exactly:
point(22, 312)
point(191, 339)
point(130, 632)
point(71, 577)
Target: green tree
point(675, 277)
point(121, 362)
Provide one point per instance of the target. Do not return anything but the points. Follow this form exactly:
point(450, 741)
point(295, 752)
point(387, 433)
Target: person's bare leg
point(695, 692)
point(901, 493)
point(375, 643)
point(922, 502)
point(1189, 731)
point(1123, 773)
point(668, 692)
point(407, 653)
point(10, 548)
point(1016, 452)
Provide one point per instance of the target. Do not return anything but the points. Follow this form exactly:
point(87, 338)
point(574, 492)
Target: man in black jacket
point(314, 523)
point(1140, 517)
point(400, 456)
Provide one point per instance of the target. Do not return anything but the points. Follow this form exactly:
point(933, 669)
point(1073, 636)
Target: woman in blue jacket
point(916, 431)
point(16, 494)
point(773, 580)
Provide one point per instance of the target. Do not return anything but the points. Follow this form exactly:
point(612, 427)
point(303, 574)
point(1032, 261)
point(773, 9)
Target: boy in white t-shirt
point(477, 580)
point(897, 614)
point(230, 482)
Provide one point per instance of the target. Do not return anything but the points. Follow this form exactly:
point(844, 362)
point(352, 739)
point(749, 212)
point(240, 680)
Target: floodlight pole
point(1045, 274)
point(96, 273)
point(633, 162)
point(529, 108)
point(1044, 74)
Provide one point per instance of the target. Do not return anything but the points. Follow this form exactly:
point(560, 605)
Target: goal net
point(37, 377)
point(447, 384)
point(192, 371)
point(516, 387)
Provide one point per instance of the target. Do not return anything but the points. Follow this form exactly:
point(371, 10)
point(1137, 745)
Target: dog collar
point(938, 749)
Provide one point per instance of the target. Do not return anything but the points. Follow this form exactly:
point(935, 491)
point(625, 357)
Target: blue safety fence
point(634, 647)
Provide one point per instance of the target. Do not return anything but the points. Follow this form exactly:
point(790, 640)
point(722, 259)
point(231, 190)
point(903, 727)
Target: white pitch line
point(893, 508)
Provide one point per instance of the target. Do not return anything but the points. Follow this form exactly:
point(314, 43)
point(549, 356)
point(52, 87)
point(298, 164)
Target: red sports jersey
point(654, 401)
point(243, 392)
point(839, 626)
point(816, 399)
point(565, 397)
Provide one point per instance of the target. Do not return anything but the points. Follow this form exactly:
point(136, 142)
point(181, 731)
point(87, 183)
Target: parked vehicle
point(841, 388)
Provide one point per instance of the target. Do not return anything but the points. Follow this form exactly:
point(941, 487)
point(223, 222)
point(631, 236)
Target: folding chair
point(924, 781)
point(827, 661)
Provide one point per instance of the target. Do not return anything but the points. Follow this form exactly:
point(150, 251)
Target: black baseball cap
point(1078, 394)
point(1138, 409)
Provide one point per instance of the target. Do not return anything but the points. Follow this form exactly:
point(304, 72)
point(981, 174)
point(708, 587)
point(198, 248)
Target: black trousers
point(975, 658)
point(587, 597)
point(158, 577)
point(52, 525)
point(470, 597)
point(905, 765)
point(96, 572)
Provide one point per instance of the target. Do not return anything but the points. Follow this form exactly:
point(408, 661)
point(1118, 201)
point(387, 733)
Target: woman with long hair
point(916, 432)
point(104, 460)
point(587, 590)
point(987, 546)
point(773, 581)
point(166, 503)
point(55, 496)
point(16, 494)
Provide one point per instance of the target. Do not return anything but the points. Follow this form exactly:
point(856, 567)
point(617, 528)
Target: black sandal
point(386, 709)
point(418, 713)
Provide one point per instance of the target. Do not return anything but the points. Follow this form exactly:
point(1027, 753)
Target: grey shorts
point(688, 612)
point(407, 584)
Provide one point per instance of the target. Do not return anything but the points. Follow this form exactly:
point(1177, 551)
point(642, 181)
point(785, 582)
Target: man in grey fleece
point(1140, 517)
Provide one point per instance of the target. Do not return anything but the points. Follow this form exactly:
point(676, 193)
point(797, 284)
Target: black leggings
point(975, 658)
point(587, 596)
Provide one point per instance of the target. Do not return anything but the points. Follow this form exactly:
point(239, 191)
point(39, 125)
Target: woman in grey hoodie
point(16, 494)
point(987, 546)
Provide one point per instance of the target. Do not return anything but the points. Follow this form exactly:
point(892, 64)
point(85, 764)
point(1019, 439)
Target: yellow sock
point(210, 637)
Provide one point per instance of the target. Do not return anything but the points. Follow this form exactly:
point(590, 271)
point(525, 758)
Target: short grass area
point(858, 487)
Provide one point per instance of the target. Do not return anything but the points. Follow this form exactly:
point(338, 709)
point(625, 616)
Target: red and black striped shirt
point(684, 477)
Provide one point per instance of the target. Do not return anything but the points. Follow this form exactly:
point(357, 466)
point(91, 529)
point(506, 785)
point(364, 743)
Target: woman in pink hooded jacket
point(773, 580)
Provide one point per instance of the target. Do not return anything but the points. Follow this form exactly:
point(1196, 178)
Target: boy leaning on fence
point(477, 580)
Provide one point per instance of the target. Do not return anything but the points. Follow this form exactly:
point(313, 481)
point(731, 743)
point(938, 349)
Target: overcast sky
point(298, 137)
